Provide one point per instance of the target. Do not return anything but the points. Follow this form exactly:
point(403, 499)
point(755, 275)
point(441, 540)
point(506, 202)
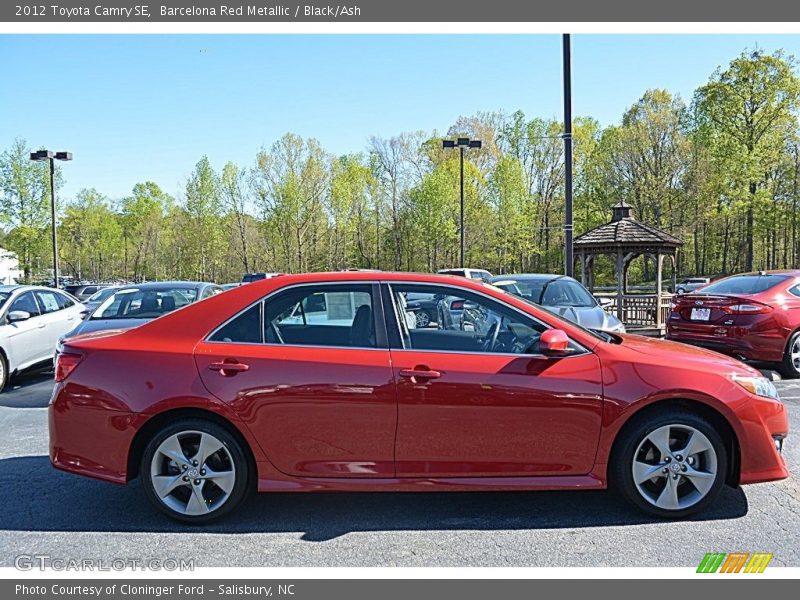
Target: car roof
point(530, 276)
point(15, 287)
point(162, 285)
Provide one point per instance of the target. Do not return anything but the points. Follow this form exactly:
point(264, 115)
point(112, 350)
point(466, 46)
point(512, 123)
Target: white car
point(32, 319)
point(481, 274)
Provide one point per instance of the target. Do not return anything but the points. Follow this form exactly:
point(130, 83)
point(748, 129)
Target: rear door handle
point(229, 367)
point(422, 374)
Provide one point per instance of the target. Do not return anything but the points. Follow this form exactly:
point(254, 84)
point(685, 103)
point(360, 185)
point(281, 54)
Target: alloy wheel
point(423, 319)
point(794, 353)
point(674, 467)
point(193, 473)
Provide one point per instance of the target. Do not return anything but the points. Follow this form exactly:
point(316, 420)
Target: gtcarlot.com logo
point(29, 562)
point(735, 562)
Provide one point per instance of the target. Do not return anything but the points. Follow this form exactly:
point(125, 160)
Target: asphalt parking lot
point(64, 516)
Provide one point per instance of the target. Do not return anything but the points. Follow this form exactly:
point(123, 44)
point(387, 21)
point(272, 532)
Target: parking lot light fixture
point(461, 143)
point(50, 157)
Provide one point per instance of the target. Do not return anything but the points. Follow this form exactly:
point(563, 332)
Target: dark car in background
point(84, 291)
point(96, 299)
point(434, 308)
point(132, 305)
point(562, 295)
point(251, 277)
point(752, 316)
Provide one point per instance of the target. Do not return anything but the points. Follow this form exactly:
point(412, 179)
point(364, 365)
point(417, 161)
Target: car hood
point(668, 352)
point(96, 325)
point(590, 317)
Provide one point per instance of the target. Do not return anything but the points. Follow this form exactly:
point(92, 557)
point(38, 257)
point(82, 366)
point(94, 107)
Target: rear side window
point(744, 284)
point(48, 301)
point(325, 315)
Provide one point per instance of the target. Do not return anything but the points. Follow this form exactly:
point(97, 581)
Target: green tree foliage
point(721, 173)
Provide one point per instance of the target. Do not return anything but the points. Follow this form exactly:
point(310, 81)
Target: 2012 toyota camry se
point(323, 382)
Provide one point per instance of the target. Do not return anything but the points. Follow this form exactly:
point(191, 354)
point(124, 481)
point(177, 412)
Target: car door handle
point(422, 374)
point(229, 367)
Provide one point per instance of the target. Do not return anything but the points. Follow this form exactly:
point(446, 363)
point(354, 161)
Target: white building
point(9, 267)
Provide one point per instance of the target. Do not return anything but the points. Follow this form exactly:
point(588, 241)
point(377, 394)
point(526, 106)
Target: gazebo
point(624, 239)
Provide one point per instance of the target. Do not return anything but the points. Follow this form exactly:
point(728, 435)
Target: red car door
point(308, 372)
point(472, 403)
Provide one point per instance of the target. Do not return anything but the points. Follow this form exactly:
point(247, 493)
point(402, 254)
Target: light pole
point(50, 157)
point(567, 58)
point(461, 143)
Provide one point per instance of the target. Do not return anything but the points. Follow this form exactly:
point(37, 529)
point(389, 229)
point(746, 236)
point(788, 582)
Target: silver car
point(563, 296)
point(32, 319)
point(132, 305)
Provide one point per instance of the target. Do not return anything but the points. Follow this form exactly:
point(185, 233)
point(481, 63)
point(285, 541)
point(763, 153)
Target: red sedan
point(753, 316)
point(324, 382)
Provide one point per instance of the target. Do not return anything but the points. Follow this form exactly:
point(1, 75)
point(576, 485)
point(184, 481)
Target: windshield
point(134, 303)
point(743, 284)
point(101, 295)
point(600, 335)
point(553, 292)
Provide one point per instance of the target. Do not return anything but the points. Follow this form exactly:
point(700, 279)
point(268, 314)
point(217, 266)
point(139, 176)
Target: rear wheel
point(790, 367)
point(670, 464)
point(194, 471)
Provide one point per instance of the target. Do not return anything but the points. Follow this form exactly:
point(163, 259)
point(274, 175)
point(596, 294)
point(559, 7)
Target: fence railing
point(640, 310)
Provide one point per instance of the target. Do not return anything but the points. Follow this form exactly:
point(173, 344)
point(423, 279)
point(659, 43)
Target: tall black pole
point(461, 148)
point(568, 258)
point(53, 220)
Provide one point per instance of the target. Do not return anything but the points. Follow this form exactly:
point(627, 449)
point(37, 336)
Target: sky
point(133, 108)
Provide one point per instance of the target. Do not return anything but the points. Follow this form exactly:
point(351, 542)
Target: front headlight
point(759, 386)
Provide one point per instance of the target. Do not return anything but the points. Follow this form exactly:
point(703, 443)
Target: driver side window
point(443, 319)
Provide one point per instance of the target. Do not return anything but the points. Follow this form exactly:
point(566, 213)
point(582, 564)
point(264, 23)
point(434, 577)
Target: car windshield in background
point(134, 303)
point(743, 284)
point(555, 292)
point(101, 294)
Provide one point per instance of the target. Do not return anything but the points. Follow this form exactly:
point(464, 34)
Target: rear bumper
point(88, 440)
point(731, 341)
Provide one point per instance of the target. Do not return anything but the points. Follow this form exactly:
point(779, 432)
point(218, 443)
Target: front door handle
point(229, 367)
point(422, 374)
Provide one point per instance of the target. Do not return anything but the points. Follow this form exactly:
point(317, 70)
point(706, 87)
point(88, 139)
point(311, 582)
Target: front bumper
point(762, 459)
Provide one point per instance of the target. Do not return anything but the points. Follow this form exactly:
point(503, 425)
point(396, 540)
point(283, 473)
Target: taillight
point(746, 309)
point(65, 364)
point(457, 305)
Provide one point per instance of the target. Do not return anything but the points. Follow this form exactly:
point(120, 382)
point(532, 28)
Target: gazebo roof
point(626, 232)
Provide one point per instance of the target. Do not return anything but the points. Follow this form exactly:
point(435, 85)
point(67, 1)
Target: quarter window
point(463, 322)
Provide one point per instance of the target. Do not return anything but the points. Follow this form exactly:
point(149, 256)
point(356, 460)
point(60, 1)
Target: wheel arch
point(702, 409)
point(156, 422)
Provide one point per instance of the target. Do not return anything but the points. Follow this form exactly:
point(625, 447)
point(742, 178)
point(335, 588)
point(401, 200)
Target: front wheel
point(671, 464)
point(194, 471)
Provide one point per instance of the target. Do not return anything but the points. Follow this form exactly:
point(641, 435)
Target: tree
point(25, 210)
point(749, 110)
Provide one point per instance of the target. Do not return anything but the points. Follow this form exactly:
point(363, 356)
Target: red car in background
point(323, 382)
point(753, 316)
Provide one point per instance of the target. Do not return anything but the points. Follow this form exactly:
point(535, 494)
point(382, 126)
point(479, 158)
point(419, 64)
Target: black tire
point(424, 319)
point(634, 433)
point(235, 455)
point(4, 376)
point(787, 367)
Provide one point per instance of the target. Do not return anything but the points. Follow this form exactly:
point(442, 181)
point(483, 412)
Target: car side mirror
point(605, 302)
point(554, 342)
point(18, 315)
point(85, 314)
